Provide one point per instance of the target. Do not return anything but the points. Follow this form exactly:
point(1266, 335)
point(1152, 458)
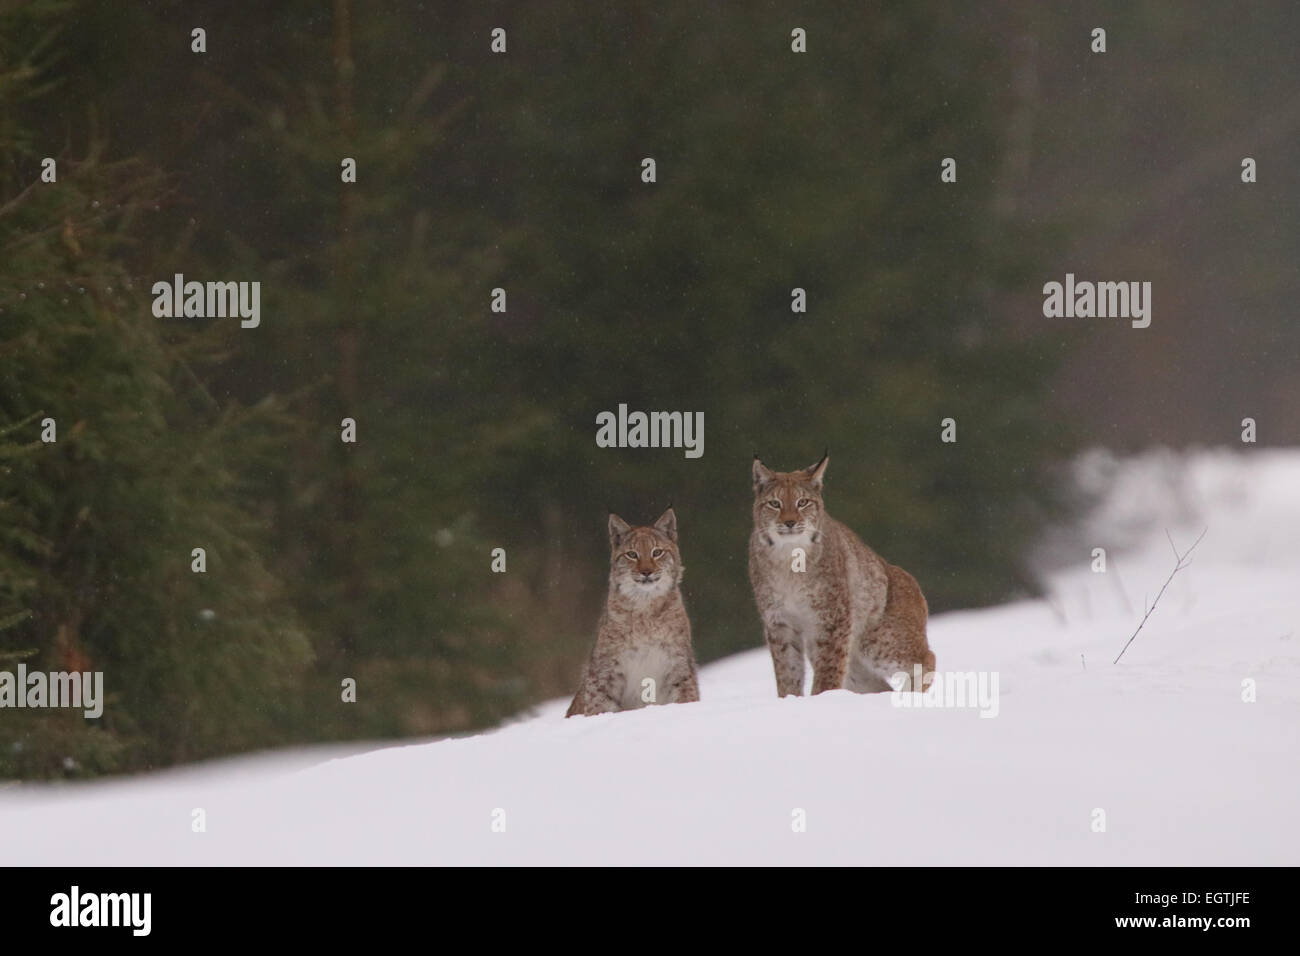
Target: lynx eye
point(773, 503)
point(657, 552)
point(803, 502)
point(630, 554)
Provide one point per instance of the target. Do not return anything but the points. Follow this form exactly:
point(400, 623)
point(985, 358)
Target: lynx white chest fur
point(825, 598)
point(643, 649)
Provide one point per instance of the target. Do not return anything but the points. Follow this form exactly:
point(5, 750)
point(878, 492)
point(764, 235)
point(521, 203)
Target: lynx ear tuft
point(762, 474)
point(617, 528)
point(816, 472)
point(667, 524)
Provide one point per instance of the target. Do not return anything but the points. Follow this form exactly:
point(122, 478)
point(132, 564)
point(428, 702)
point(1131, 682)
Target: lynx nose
point(790, 524)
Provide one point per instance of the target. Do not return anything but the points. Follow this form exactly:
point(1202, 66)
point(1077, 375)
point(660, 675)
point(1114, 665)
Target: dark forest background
point(476, 429)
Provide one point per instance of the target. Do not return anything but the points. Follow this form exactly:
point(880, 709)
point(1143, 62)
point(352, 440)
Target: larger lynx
point(643, 647)
point(857, 618)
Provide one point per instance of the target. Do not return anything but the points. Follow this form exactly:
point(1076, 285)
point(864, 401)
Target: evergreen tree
point(97, 526)
point(478, 171)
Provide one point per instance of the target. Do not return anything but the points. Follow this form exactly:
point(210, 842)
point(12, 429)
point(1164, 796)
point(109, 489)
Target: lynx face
point(788, 504)
point(644, 561)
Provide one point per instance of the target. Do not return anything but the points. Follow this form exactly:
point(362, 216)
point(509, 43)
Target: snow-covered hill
point(1184, 769)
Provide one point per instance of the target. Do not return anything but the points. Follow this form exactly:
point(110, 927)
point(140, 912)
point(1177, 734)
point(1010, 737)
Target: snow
point(1185, 771)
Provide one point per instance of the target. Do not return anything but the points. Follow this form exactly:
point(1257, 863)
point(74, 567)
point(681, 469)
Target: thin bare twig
point(1181, 561)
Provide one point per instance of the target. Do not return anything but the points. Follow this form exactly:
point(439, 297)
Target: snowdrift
point(1186, 752)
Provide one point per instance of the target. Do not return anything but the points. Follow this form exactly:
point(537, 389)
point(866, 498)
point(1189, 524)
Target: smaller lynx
point(643, 647)
point(859, 619)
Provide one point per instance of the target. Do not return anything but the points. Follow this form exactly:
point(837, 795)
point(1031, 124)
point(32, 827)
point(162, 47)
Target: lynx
point(643, 646)
point(857, 618)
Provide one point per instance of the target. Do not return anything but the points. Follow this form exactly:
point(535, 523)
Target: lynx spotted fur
point(643, 646)
point(858, 619)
